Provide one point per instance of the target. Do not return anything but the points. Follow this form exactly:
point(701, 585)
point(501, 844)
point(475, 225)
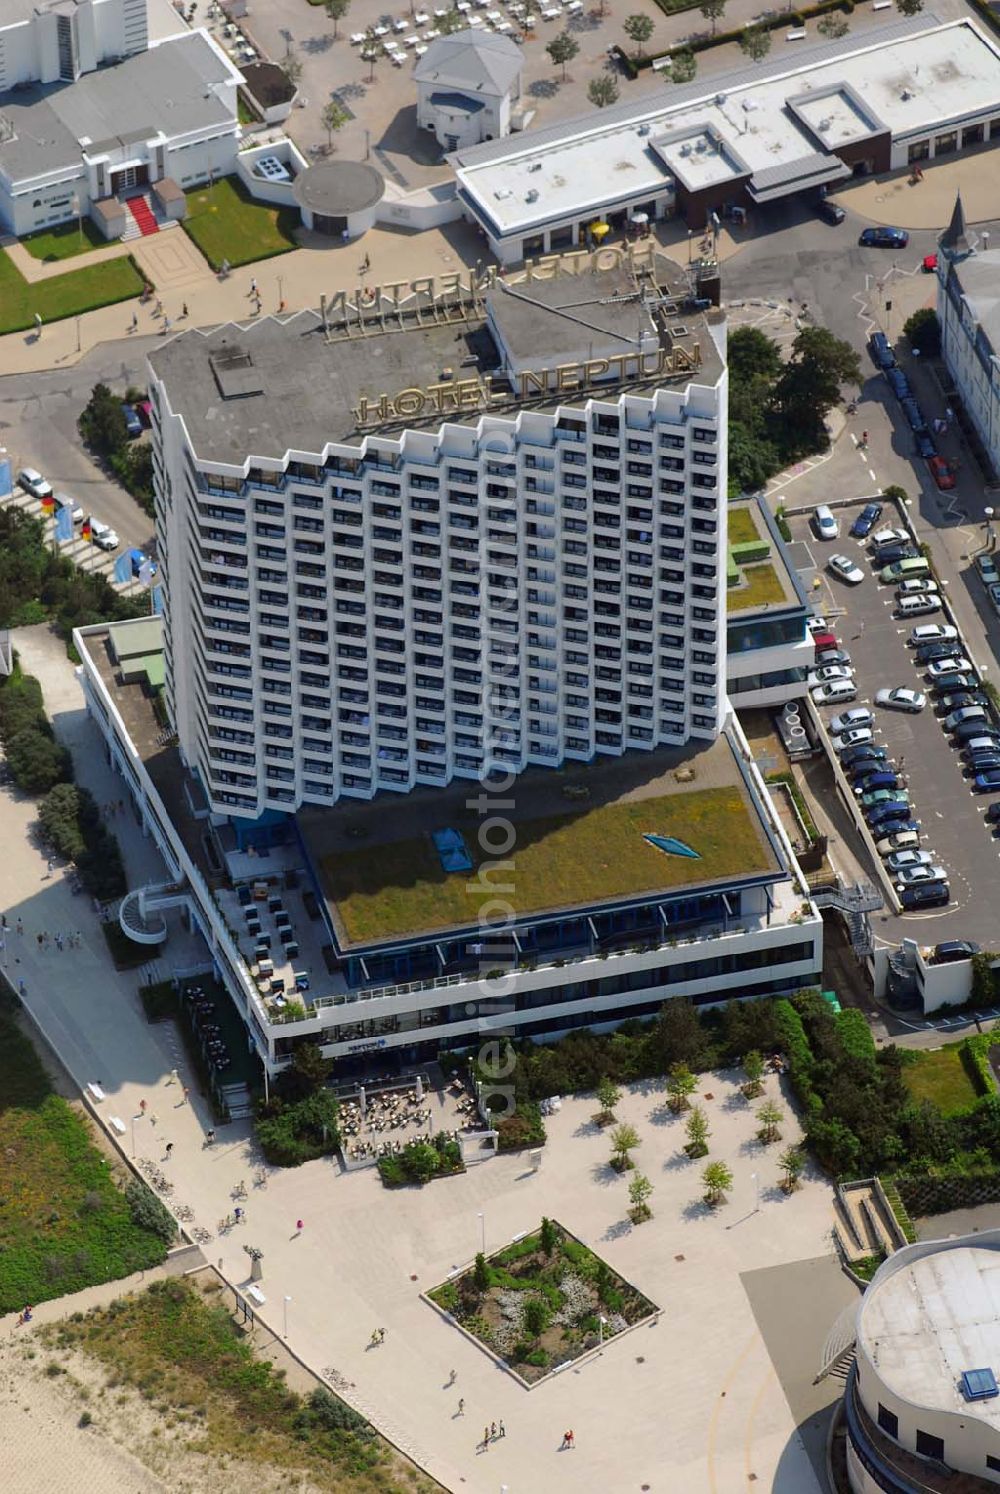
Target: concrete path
point(35, 270)
point(897, 201)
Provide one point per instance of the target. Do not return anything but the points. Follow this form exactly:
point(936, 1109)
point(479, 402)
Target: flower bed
point(538, 1304)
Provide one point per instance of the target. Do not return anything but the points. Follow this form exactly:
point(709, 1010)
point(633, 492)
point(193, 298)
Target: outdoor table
point(380, 30)
point(421, 18)
point(412, 41)
point(400, 25)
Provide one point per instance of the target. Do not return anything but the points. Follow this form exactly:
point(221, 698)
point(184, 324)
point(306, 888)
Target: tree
point(792, 1161)
point(59, 817)
point(562, 49)
point(640, 1190)
point(810, 384)
point(683, 66)
point(678, 1036)
point(602, 90)
point(718, 1180)
point(334, 117)
point(832, 27)
point(371, 50)
point(681, 1083)
point(101, 423)
point(696, 1128)
point(608, 1095)
point(535, 1316)
point(336, 10)
point(755, 43)
point(481, 1272)
point(638, 28)
point(37, 763)
point(623, 1140)
point(548, 1237)
point(291, 66)
point(452, 20)
point(712, 10)
point(753, 1067)
point(307, 1072)
point(770, 1117)
point(923, 332)
point(909, 7)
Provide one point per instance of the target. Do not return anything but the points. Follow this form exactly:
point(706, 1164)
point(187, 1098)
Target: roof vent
point(535, 166)
point(531, 196)
point(644, 129)
point(447, 374)
point(979, 1385)
point(720, 99)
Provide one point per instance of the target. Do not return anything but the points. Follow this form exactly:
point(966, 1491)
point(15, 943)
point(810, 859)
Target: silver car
point(844, 569)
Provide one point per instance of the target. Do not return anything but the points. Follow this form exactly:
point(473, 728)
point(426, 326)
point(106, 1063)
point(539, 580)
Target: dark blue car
point(883, 814)
point(882, 779)
point(989, 781)
point(882, 350)
point(914, 414)
point(133, 425)
point(890, 554)
point(863, 750)
point(925, 444)
point(866, 520)
point(884, 238)
point(898, 382)
point(925, 895)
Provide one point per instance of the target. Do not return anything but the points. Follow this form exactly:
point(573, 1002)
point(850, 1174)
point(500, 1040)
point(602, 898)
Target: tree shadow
point(543, 88)
point(697, 1209)
point(774, 1194)
point(618, 1229)
point(662, 1116)
point(604, 1174)
point(751, 1147)
point(583, 21)
point(677, 1160)
point(736, 1101)
point(316, 45)
point(351, 91)
point(588, 1128)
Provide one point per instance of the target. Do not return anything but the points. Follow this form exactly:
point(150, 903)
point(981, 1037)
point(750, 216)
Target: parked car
point(905, 570)
point(889, 554)
point(925, 444)
point(995, 598)
point(824, 522)
point(897, 840)
point(993, 812)
point(955, 664)
point(865, 767)
point(881, 349)
point(825, 640)
point(877, 798)
point(891, 535)
point(853, 738)
point(926, 653)
point(981, 763)
point(941, 473)
point(817, 624)
point(868, 781)
point(913, 413)
point(854, 755)
point(845, 569)
point(883, 238)
point(964, 714)
point(835, 692)
point(133, 421)
point(918, 587)
point(898, 861)
point(975, 737)
point(825, 673)
point(849, 720)
point(65, 500)
point(899, 698)
point(898, 382)
point(987, 569)
point(830, 212)
point(988, 782)
point(928, 895)
point(930, 632)
point(894, 816)
point(946, 683)
point(918, 606)
point(33, 482)
point(950, 950)
point(958, 699)
point(871, 513)
point(912, 876)
point(103, 535)
point(832, 656)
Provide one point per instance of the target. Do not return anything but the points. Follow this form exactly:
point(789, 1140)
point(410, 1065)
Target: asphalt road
point(38, 415)
point(951, 815)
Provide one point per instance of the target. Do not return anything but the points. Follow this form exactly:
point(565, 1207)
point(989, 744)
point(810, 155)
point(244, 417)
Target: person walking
point(173, 1077)
point(142, 1107)
point(19, 927)
point(170, 1148)
point(253, 286)
point(210, 1141)
point(502, 1432)
point(185, 1094)
point(184, 308)
point(493, 1431)
point(461, 1405)
point(298, 1231)
point(486, 1437)
point(135, 323)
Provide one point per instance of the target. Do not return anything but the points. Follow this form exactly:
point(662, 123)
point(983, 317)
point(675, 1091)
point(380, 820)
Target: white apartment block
point(970, 328)
point(54, 41)
point(436, 530)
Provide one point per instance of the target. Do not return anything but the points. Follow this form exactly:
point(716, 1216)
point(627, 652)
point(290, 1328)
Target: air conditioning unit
point(531, 196)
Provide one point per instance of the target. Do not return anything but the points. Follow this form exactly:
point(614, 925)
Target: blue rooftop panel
point(979, 1385)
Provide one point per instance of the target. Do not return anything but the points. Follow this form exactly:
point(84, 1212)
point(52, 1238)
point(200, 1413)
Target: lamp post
point(285, 1304)
point(133, 1135)
point(75, 205)
point(482, 1231)
point(601, 1321)
point(990, 534)
point(756, 1192)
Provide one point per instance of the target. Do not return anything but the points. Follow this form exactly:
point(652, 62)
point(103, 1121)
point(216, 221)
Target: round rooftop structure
point(339, 198)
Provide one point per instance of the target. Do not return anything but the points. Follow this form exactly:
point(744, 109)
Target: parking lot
point(950, 812)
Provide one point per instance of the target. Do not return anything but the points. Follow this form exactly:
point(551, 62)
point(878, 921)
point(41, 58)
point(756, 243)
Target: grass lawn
point(741, 526)
point(64, 1224)
point(763, 584)
point(570, 1287)
point(940, 1076)
point(65, 240)
point(560, 861)
point(226, 223)
point(182, 1350)
point(64, 295)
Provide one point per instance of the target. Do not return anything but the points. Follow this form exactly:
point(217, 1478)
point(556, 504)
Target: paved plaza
point(691, 1401)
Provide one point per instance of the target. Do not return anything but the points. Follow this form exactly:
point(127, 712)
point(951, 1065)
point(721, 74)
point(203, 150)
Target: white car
point(860, 716)
point(33, 482)
point(933, 633)
point(987, 567)
point(103, 535)
point(826, 673)
point(856, 737)
point(918, 586)
point(63, 500)
point(901, 699)
point(917, 606)
point(912, 876)
point(845, 570)
point(825, 523)
point(953, 664)
point(899, 840)
point(888, 537)
point(818, 625)
point(900, 861)
point(835, 692)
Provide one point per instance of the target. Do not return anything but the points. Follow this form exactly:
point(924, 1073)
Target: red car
point(930, 264)
point(941, 472)
point(825, 640)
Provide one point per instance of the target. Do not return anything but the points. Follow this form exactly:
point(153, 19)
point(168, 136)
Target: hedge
point(634, 65)
point(975, 1059)
point(795, 1046)
point(855, 1034)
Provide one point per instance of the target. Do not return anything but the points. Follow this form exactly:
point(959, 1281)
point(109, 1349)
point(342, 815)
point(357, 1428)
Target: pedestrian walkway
point(927, 203)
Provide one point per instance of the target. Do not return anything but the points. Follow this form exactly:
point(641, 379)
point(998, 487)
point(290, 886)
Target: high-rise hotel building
point(439, 528)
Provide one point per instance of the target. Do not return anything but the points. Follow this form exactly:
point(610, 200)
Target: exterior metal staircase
point(855, 903)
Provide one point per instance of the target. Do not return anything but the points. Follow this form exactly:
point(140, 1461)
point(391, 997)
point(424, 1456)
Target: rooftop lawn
point(64, 295)
point(940, 1076)
point(742, 527)
point(564, 860)
point(226, 223)
point(763, 585)
point(65, 240)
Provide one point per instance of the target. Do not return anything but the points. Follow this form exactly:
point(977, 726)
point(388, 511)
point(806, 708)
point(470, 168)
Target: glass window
point(946, 143)
point(994, 129)
point(929, 1446)
point(973, 135)
point(920, 150)
point(888, 1420)
point(993, 1463)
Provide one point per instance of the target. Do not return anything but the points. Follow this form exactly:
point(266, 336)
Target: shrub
point(21, 706)
point(524, 1128)
point(854, 1033)
point(290, 1134)
point(923, 331)
point(37, 762)
point(148, 1212)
